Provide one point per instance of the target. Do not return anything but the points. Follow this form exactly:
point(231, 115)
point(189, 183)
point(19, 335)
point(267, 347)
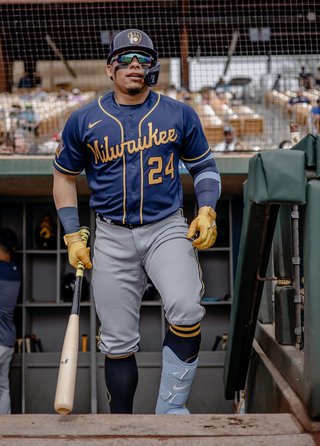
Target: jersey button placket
point(128, 125)
point(131, 129)
point(133, 179)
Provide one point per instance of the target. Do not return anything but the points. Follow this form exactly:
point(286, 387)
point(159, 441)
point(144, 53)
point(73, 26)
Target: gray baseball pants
point(5, 359)
point(122, 260)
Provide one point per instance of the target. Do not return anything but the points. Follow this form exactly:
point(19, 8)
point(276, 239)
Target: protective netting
point(238, 63)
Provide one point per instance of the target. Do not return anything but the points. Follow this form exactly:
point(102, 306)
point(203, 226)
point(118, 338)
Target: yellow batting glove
point(205, 225)
point(77, 250)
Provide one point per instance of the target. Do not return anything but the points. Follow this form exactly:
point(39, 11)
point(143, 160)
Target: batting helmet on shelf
point(131, 40)
point(68, 286)
point(8, 239)
point(46, 233)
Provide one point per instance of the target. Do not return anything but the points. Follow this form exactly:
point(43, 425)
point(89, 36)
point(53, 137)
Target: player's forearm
point(207, 182)
point(65, 198)
point(64, 190)
point(207, 193)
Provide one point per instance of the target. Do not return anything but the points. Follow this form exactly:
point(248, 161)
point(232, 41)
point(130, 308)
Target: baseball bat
point(64, 397)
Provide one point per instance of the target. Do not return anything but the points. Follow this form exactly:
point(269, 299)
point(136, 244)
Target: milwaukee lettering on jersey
point(104, 153)
point(131, 155)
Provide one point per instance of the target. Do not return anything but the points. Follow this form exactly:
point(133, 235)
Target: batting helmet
point(68, 286)
point(46, 233)
point(8, 239)
point(131, 39)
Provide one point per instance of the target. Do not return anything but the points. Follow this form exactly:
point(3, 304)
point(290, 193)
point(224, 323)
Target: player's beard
point(135, 90)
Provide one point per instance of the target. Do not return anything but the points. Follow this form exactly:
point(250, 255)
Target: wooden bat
point(64, 398)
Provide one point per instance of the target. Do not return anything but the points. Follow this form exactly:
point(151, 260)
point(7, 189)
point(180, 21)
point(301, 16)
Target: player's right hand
point(77, 250)
point(203, 229)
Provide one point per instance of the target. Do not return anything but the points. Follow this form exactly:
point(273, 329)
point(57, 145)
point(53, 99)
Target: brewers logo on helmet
point(46, 233)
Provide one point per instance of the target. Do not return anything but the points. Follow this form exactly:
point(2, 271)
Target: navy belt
point(118, 223)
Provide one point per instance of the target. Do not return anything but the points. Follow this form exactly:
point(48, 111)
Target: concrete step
point(152, 430)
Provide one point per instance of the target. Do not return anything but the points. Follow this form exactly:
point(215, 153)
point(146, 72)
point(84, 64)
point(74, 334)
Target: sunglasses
point(126, 59)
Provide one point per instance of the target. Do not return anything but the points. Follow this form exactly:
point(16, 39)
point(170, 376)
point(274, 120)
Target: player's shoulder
point(91, 107)
point(87, 113)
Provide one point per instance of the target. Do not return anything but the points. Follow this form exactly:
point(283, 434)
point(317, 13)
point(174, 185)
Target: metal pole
point(295, 138)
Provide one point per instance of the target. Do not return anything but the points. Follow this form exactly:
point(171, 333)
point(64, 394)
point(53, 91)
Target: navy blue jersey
point(10, 279)
point(131, 155)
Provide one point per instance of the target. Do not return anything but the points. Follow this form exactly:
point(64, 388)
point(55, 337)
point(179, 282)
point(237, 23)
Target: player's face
point(127, 72)
point(229, 137)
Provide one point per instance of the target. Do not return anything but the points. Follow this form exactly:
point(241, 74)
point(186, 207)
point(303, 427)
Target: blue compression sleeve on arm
point(207, 191)
point(69, 218)
point(207, 181)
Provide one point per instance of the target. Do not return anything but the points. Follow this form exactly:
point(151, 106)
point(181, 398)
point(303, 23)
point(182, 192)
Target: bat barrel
point(64, 397)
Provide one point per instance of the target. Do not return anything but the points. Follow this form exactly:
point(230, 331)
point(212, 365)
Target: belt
point(118, 223)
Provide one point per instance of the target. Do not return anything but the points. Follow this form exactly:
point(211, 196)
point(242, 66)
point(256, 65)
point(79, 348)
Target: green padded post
point(311, 253)
point(275, 177)
point(307, 145)
point(256, 240)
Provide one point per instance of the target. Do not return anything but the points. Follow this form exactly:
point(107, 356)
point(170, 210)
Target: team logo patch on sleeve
point(59, 148)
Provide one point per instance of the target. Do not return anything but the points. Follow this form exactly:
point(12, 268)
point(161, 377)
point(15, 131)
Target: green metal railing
point(279, 181)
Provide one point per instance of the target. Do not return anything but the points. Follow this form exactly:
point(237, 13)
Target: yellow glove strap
point(72, 238)
point(209, 212)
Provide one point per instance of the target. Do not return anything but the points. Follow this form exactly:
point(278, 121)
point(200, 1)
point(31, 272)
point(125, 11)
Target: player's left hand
point(205, 225)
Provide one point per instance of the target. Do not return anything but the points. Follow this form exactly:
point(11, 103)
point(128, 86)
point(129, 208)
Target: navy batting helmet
point(68, 286)
point(8, 239)
point(131, 39)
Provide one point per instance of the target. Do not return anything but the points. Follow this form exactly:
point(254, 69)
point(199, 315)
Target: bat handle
point(85, 234)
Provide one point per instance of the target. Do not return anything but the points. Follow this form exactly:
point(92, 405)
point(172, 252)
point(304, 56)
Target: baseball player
point(10, 282)
point(130, 142)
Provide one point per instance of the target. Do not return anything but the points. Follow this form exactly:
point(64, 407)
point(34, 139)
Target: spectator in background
point(10, 280)
point(221, 86)
point(299, 98)
point(315, 118)
point(317, 79)
point(30, 79)
point(305, 79)
point(276, 85)
point(229, 143)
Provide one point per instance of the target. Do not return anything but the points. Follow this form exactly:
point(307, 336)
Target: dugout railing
point(280, 182)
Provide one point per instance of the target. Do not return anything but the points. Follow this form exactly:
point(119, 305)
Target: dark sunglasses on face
point(126, 59)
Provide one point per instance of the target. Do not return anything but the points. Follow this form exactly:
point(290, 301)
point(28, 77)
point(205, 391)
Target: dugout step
point(153, 430)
